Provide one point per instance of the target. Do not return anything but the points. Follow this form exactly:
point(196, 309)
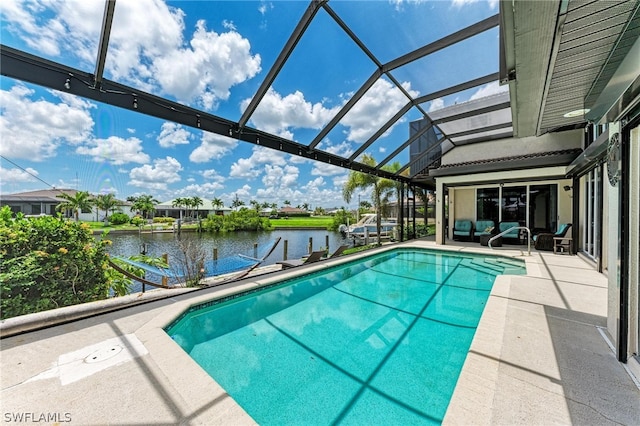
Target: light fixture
point(577, 113)
point(198, 122)
point(135, 102)
point(258, 140)
point(566, 188)
point(67, 84)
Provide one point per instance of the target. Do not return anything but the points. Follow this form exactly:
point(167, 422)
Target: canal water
point(228, 244)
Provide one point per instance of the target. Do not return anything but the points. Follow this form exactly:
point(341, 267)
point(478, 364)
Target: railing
point(509, 230)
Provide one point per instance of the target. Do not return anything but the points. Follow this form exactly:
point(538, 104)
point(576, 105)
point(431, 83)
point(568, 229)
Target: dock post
point(326, 243)
point(215, 253)
point(255, 250)
point(310, 248)
point(165, 259)
point(286, 249)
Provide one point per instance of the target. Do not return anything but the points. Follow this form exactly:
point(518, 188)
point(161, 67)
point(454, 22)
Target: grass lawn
point(322, 222)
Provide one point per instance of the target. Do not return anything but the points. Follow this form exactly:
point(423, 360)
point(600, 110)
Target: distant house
point(44, 202)
point(292, 211)
point(167, 209)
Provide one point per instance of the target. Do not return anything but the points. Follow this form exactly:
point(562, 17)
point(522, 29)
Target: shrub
point(161, 219)
point(118, 218)
point(47, 263)
point(137, 221)
point(242, 220)
point(341, 217)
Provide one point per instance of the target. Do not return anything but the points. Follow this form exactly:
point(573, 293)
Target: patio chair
point(462, 229)
point(513, 234)
point(484, 227)
point(313, 257)
point(545, 241)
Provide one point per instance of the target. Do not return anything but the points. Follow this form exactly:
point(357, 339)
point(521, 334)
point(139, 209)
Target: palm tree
point(144, 204)
point(106, 202)
point(217, 203)
point(360, 180)
point(237, 203)
point(397, 186)
point(80, 201)
point(256, 205)
point(196, 202)
point(178, 202)
point(187, 204)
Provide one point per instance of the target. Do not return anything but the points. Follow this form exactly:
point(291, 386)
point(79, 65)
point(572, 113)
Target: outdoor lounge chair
point(462, 229)
point(338, 251)
point(545, 241)
point(313, 257)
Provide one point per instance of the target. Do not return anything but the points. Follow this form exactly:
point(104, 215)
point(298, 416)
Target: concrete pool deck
point(540, 356)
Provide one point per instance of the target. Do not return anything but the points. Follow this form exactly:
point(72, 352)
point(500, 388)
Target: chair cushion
point(506, 225)
point(483, 225)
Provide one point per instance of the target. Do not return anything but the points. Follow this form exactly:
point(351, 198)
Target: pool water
point(375, 341)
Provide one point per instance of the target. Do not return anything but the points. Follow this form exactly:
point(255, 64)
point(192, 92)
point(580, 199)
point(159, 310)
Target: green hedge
point(48, 263)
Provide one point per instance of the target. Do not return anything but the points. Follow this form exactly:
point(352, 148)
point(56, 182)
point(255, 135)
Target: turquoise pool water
point(377, 341)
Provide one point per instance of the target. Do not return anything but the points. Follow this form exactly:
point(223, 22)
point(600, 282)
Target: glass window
point(543, 208)
point(487, 204)
point(514, 204)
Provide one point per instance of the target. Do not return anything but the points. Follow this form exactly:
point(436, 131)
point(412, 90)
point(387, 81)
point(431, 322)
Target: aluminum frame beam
point(286, 51)
point(26, 67)
point(103, 46)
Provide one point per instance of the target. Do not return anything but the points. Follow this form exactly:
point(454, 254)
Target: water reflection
point(228, 244)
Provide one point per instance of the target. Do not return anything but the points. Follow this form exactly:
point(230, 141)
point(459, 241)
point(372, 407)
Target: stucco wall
point(465, 207)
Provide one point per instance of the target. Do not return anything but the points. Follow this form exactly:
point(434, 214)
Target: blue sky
point(213, 55)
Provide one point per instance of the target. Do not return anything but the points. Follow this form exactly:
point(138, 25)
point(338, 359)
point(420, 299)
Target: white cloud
point(493, 4)
point(280, 115)
point(115, 150)
point(211, 65)
point(212, 175)
point(142, 52)
point(34, 129)
point(16, 175)
point(156, 177)
point(381, 102)
point(212, 146)
point(173, 134)
point(488, 90)
point(324, 169)
point(436, 104)
point(203, 190)
point(282, 177)
point(250, 167)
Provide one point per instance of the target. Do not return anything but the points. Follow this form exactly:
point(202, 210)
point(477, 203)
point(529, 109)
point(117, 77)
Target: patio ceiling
point(556, 57)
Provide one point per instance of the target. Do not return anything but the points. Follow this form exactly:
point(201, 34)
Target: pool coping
point(169, 353)
point(559, 305)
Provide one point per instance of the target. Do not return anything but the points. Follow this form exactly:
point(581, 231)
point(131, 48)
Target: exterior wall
point(462, 199)
point(514, 147)
point(465, 207)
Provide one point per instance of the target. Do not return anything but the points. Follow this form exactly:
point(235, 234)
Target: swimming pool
point(380, 340)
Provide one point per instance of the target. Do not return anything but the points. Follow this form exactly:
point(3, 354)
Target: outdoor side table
point(484, 241)
point(562, 245)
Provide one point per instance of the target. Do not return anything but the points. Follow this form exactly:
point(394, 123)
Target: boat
point(366, 227)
